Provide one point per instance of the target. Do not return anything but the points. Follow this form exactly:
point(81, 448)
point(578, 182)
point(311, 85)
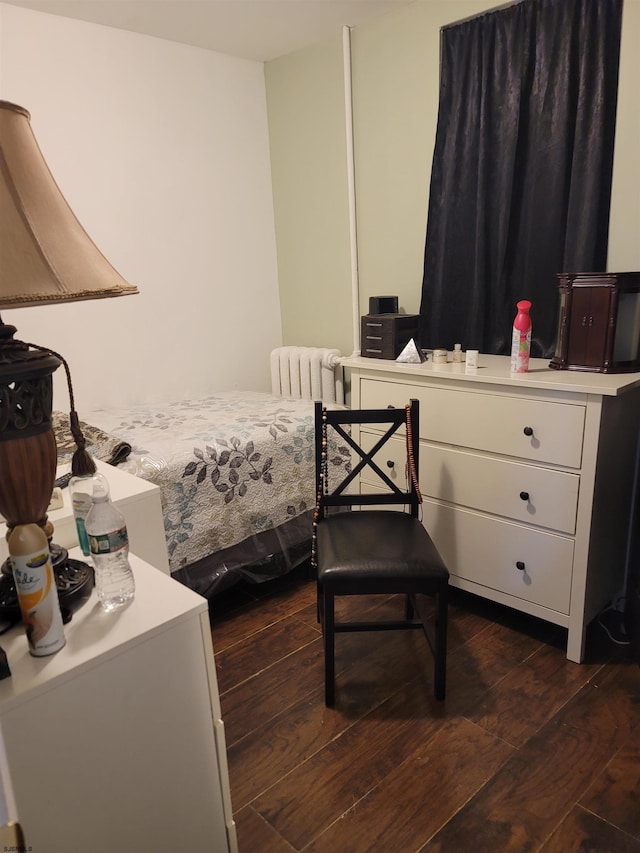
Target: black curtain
point(521, 177)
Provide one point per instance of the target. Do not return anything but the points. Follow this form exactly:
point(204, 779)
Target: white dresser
point(116, 743)
point(528, 481)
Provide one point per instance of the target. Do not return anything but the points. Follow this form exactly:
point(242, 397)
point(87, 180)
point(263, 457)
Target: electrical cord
point(616, 631)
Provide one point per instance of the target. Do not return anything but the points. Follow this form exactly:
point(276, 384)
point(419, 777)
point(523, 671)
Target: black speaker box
point(383, 305)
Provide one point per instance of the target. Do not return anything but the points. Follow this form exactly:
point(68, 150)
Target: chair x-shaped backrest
point(335, 493)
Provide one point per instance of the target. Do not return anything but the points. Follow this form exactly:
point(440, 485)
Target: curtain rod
point(491, 11)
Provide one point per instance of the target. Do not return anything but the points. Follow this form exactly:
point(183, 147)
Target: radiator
point(307, 373)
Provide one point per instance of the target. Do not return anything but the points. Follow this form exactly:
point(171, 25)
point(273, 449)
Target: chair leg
point(319, 614)
point(409, 608)
point(440, 642)
point(329, 648)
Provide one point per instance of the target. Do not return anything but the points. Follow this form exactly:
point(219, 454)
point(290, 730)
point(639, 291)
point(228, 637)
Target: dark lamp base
point(74, 582)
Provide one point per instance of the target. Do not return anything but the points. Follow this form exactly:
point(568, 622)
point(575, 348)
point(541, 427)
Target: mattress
point(233, 469)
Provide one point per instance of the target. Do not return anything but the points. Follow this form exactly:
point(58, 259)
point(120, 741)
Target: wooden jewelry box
point(598, 322)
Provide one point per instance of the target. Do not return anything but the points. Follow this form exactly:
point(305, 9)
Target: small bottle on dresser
point(109, 544)
point(81, 491)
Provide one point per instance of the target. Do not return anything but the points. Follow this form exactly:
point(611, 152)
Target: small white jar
point(472, 360)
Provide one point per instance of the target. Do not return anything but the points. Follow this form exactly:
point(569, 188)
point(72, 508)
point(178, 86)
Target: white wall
point(305, 101)
point(162, 152)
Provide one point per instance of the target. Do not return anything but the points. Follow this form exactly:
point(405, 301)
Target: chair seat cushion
point(376, 545)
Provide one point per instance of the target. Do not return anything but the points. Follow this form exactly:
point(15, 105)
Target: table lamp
point(46, 257)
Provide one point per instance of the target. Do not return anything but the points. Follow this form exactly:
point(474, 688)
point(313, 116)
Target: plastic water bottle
point(81, 491)
point(109, 544)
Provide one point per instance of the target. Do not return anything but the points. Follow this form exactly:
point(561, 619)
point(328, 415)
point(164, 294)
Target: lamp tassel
point(82, 462)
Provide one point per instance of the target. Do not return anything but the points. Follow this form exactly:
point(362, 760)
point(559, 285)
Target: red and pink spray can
point(521, 338)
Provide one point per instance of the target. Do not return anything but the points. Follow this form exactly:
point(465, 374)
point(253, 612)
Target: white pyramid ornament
point(411, 354)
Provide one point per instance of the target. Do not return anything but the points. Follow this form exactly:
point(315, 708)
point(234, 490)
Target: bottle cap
point(101, 492)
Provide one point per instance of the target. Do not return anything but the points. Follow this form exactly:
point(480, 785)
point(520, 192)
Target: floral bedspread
point(228, 466)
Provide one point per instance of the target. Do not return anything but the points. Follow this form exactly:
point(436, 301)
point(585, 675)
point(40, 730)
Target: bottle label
point(39, 605)
point(81, 505)
point(83, 538)
point(520, 349)
point(109, 543)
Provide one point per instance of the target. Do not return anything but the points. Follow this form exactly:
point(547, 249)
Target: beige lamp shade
point(46, 256)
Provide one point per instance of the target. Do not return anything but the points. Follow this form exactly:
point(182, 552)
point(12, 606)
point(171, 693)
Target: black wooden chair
point(369, 549)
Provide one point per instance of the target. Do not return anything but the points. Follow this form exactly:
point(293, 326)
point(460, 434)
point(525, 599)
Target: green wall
point(624, 224)
point(305, 103)
point(395, 72)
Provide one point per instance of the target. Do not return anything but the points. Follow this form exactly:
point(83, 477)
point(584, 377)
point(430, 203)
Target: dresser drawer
point(523, 492)
point(486, 551)
point(511, 426)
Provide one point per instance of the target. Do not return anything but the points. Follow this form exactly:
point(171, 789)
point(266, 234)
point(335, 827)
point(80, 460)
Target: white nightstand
point(138, 500)
point(116, 742)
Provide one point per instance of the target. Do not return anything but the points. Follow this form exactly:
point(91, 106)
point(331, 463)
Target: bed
point(236, 475)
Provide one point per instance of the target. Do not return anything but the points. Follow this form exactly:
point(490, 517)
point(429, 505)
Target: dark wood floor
point(528, 752)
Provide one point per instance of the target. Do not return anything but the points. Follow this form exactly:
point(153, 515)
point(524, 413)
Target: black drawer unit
point(386, 335)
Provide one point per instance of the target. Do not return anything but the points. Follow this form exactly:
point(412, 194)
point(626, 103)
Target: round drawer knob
point(390, 463)
point(528, 430)
point(524, 496)
point(520, 566)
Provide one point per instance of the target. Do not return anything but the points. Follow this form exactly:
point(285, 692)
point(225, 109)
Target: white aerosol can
point(36, 588)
